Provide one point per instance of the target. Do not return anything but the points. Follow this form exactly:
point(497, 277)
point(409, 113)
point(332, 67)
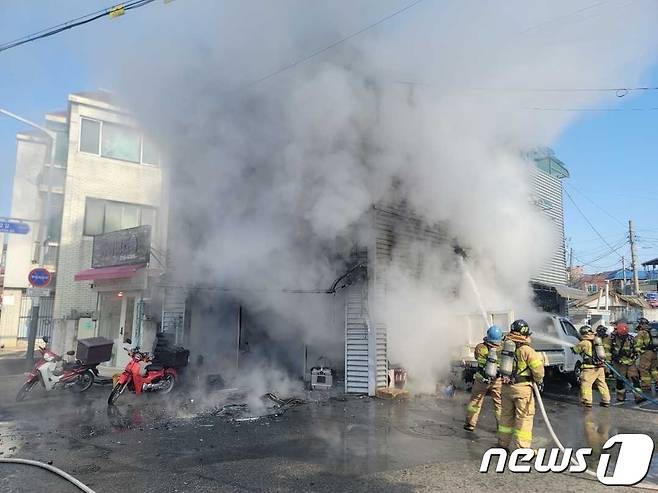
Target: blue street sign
point(39, 277)
point(14, 228)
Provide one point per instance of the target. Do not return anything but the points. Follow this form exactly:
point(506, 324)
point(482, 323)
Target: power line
point(590, 223)
point(592, 109)
point(620, 91)
point(597, 239)
point(565, 16)
point(600, 256)
point(592, 263)
point(320, 51)
point(582, 194)
point(603, 250)
point(612, 252)
point(112, 11)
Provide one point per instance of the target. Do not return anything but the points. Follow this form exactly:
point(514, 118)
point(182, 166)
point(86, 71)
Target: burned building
point(349, 335)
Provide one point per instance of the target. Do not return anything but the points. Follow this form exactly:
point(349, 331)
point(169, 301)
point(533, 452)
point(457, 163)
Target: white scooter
point(55, 373)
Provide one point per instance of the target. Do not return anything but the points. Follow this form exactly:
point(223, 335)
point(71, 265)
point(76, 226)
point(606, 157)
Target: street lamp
point(43, 226)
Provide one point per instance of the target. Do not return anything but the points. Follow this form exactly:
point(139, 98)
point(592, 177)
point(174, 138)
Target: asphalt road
point(170, 443)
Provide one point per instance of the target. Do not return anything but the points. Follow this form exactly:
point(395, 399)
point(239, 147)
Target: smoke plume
point(272, 177)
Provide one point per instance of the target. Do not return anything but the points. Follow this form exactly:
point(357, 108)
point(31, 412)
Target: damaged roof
point(616, 300)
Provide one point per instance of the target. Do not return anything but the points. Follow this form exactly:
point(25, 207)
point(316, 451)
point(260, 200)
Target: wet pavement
point(194, 442)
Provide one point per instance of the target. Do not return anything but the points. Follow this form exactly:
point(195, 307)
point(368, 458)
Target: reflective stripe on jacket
point(528, 364)
point(643, 341)
point(585, 348)
point(623, 351)
point(481, 355)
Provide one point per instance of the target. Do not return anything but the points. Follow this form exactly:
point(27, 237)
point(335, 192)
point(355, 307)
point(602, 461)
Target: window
point(94, 216)
point(90, 131)
point(569, 329)
point(61, 149)
point(120, 142)
point(55, 215)
point(592, 288)
point(117, 142)
point(103, 216)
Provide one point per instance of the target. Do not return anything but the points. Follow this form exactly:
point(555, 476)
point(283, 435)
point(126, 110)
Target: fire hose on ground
point(561, 447)
point(50, 468)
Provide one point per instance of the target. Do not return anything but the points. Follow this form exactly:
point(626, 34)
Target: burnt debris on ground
point(272, 406)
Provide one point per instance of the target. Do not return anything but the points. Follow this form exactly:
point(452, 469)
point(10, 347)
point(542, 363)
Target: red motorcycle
point(55, 373)
point(142, 375)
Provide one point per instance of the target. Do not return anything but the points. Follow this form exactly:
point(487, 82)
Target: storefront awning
point(118, 272)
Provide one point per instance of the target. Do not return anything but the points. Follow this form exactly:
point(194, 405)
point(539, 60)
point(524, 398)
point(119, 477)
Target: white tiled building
point(106, 177)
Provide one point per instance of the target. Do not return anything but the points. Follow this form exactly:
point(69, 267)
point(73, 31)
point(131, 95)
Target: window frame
point(139, 136)
point(141, 154)
point(140, 207)
point(101, 123)
point(567, 330)
point(100, 136)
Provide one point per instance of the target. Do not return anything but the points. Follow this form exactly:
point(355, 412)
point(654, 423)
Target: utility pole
point(571, 276)
point(43, 226)
point(631, 239)
point(623, 270)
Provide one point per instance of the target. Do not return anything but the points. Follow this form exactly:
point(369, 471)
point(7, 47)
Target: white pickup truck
point(559, 360)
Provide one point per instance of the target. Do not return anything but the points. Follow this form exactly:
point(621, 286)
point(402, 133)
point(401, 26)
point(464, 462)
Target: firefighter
point(593, 373)
point(646, 345)
point(623, 359)
point(520, 366)
point(487, 380)
point(602, 332)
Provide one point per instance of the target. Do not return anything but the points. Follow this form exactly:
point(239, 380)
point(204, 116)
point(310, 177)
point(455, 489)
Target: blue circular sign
point(39, 277)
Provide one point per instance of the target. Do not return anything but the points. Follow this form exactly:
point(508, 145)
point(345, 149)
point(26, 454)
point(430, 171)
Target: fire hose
point(629, 384)
point(561, 447)
point(50, 468)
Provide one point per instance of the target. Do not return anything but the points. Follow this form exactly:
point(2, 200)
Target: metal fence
point(45, 323)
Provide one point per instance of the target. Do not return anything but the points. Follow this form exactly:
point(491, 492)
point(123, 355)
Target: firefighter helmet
point(585, 329)
point(494, 334)
point(601, 331)
point(622, 329)
point(520, 327)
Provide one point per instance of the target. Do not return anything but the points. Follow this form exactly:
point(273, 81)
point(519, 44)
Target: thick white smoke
point(272, 179)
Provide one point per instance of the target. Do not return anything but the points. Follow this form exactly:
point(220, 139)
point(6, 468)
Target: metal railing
point(45, 321)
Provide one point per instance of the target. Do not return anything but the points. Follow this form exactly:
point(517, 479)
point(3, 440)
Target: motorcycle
point(143, 375)
point(55, 373)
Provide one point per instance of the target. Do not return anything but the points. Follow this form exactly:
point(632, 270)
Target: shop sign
point(123, 247)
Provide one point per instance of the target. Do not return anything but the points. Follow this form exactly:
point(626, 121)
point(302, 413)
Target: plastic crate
point(94, 350)
point(175, 357)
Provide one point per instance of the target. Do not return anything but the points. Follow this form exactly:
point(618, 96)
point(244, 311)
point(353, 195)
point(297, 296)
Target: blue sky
point(610, 155)
point(612, 160)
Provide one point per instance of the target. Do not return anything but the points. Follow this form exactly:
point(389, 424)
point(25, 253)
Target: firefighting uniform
point(623, 359)
point(648, 363)
point(518, 406)
point(592, 374)
point(607, 347)
point(483, 386)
